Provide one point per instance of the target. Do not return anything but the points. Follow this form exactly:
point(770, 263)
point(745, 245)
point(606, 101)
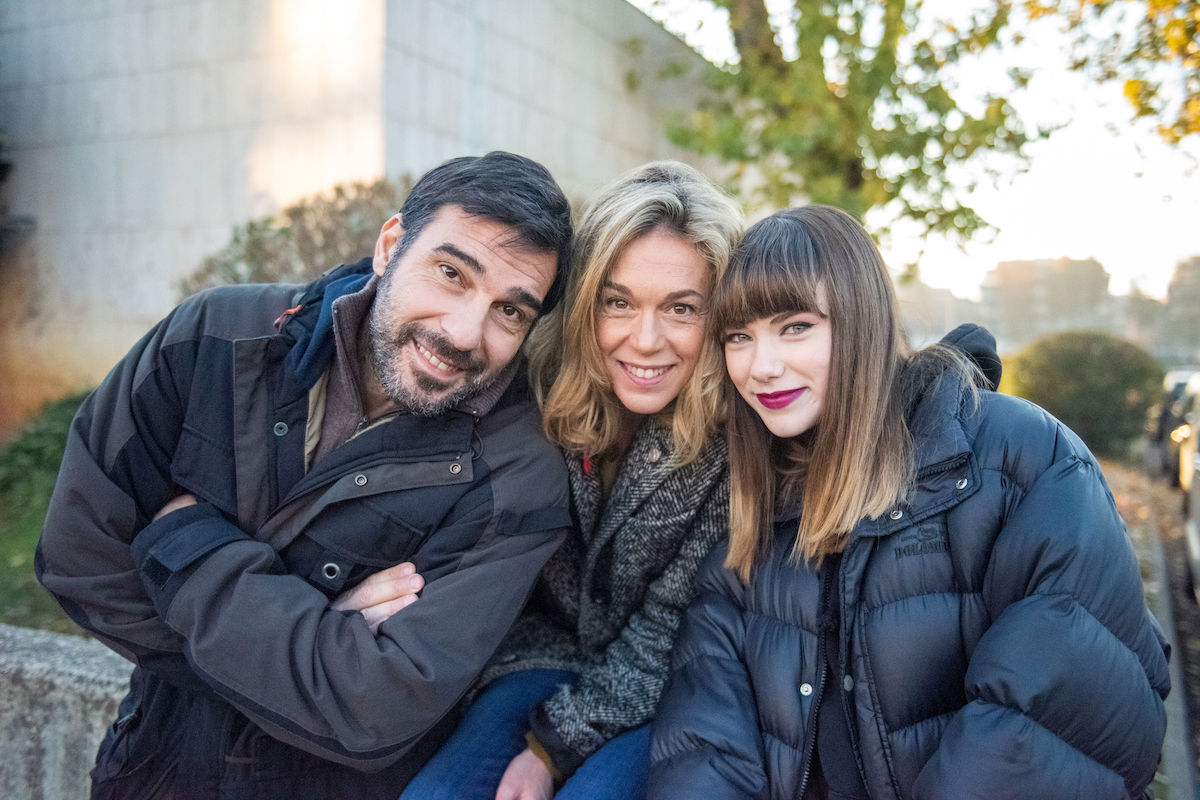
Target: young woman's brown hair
point(579, 410)
point(858, 460)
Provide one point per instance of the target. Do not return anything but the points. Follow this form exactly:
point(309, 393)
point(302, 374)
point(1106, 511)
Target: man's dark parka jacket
point(993, 631)
point(224, 605)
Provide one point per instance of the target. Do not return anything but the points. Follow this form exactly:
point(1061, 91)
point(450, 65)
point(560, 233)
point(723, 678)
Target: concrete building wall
point(547, 78)
point(142, 131)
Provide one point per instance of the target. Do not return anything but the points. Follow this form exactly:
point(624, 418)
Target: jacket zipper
point(845, 696)
point(810, 728)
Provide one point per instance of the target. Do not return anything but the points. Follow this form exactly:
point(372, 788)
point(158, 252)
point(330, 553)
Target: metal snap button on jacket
point(455, 468)
point(360, 480)
point(806, 689)
point(897, 514)
point(281, 428)
point(962, 483)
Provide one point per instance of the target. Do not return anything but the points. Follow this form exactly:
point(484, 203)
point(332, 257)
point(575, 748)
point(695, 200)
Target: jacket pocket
point(204, 467)
point(350, 541)
point(136, 761)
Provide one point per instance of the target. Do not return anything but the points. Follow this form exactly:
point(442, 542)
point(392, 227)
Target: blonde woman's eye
point(682, 309)
point(617, 304)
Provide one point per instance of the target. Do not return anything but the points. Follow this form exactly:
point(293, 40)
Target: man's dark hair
point(502, 187)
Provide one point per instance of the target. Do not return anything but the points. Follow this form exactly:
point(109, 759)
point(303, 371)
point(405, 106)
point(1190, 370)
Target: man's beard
point(428, 397)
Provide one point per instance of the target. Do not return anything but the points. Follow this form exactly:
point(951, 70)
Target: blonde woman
point(630, 388)
point(927, 592)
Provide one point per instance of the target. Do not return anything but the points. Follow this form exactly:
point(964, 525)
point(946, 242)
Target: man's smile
point(442, 366)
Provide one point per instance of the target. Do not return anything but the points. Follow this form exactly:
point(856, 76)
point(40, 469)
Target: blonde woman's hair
point(857, 461)
point(580, 410)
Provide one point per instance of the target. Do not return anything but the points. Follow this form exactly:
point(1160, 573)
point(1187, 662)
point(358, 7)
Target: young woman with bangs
point(630, 388)
point(927, 592)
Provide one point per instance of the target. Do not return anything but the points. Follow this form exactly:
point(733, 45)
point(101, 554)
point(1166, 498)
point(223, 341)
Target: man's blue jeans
point(492, 733)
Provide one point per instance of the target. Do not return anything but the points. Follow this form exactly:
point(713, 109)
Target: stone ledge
point(58, 695)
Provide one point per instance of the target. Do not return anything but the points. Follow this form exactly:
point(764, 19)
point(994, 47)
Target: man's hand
point(382, 594)
point(526, 779)
point(183, 501)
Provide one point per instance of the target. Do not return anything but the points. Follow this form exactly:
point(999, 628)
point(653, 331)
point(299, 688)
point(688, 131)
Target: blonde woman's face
point(780, 366)
point(649, 326)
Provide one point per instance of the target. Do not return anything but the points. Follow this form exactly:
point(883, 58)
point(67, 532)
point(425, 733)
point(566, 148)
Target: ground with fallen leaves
point(1149, 504)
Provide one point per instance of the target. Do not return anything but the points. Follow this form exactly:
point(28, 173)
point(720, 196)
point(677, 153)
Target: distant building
point(1024, 300)
point(930, 313)
point(141, 133)
point(1183, 313)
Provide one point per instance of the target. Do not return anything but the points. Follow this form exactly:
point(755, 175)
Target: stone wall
point(58, 694)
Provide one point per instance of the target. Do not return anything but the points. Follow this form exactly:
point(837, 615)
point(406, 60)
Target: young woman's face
point(780, 365)
point(649, 325)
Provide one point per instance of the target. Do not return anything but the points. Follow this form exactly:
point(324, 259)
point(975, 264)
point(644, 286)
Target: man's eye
point(450, 272)
point(511, 312)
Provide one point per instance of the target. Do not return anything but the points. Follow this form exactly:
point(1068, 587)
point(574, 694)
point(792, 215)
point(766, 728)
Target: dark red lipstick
point(774, 400)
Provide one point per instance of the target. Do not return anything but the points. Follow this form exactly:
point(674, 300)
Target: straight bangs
point(773, 271)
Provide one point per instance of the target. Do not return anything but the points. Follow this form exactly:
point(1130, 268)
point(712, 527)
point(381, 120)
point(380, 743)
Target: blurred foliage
point(860, 118)
point(28, 468)
point(305, 239)
point(1165, 38)
point(1098, 385)
point(864, 116)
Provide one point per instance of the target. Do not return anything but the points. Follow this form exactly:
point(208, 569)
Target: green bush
point(28, 468)
point(305, 239)
point(1098, 385)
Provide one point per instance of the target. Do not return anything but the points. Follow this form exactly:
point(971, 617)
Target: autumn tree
point(1143, 44)
point(860, 113)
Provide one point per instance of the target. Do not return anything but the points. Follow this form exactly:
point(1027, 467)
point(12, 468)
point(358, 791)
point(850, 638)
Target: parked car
point(1193, 531)
point(1164, 419)
point(1180, 442)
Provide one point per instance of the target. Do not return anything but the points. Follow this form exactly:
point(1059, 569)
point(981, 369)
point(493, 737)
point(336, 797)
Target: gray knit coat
point(609, 602)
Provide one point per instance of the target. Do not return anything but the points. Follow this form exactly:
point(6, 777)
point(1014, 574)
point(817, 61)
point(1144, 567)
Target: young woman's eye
point(797, 327)
point(736, 337)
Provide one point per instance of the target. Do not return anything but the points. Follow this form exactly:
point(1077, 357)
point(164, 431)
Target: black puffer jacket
point(996, 640)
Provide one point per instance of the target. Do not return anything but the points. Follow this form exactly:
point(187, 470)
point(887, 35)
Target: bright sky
point(1100, 187)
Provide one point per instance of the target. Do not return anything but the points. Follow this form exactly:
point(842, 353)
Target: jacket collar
point(946, 470)
point(352, 289)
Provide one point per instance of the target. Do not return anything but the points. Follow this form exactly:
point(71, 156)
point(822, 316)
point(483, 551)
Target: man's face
point(453, 309)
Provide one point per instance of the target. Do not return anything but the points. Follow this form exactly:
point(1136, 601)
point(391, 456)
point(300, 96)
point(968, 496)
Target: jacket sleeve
point(1065, 688)
point(319, 679)
point(705, 740)
point(115, 475)
point(621, 690)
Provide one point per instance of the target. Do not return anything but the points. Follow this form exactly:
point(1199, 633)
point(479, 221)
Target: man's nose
point(464, 326)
